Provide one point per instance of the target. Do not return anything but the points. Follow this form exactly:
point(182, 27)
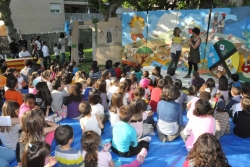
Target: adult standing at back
point(22, 42)
point(194, 53)
point(61, 46)
point(39, 45)
point(69, 38)
point(13, 49)
point(176, 47)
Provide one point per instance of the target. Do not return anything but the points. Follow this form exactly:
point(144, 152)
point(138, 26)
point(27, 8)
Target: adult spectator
point(33, 46)
point(61, 46)
point(26, 71)
point(13, 48)
point(69, 37)
point(22, 42)
point(24, 53)
point(39, 45)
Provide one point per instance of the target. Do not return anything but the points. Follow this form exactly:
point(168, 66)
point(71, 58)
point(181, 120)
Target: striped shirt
point(222, 124)
point(68, 158)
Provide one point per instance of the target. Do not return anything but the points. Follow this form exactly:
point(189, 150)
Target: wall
point(34, 16)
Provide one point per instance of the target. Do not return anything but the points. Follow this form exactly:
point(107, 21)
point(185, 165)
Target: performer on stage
point(194, 53)
point(176, 47)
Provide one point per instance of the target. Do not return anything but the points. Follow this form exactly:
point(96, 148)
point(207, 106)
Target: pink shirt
point(33, 91)
point(197, 126)
point(191, 109)
point(139, 125)
point(23, 109)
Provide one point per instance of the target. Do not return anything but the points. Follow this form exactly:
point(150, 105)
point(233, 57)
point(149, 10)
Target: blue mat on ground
point(171, 154)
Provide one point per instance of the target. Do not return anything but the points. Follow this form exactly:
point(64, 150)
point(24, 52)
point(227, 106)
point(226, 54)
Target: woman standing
point(61, 46)
point(176, 47)
point(194, 53)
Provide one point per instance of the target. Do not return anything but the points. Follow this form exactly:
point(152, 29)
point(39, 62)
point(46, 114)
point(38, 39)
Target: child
point(43, 97)
point(155, 95)
point(29, 104)
point(134, 80)
point(58, 94)
point(32, 77)
point(52, 73)
point(235, 78)
point(89, 121)
point(73, 100)
point(223, 87)
point(84, 85)
point(169, 123)
point(235, 92)
point(222, 119)
point(138, 73)
point(113, 87)
point(151, 85)
point(111, 70)
point(90, 86)
point(106, 76)
point(40, 62)
point(201, 122)
point(9, 135)
point(32, 124)
point(168, 80)
point(145, 80)
point(67, 81)
point(56, 52)
point(192, 91)
point(130, 90)
point(123, 87)
point(78, 76)
point(191, 104)
point(65, 155)
point(197, 81)
point(183, 97)
point(242, 119)
point(124, 142)
point(118, 70)
point(209, 86)
point(37, 153)
point(11, 93)
point(206, 146)
point(103, 93)
point(90, 143)
point(139, 116)
point(96, 107)
point(123, 76)
point(115, 105)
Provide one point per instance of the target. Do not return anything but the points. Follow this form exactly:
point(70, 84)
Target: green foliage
point(145, 50)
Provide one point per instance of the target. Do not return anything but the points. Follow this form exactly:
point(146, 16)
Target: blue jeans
point(63, 58)
point(6, 156)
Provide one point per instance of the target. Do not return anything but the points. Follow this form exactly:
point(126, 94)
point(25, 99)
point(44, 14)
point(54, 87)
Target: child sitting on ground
point(90, 86)
point(115, 105)
point(123, 76)
point(155, 95)
point(235, 92)
point(118, 70)
point(124, 142)
point(222, 119)
point(235, 78)
point(113, 87)
point(11, 93)
point(201, 122)
point(89, 121)
point(197, 81)
point(242, 119)
point(28, 104)
point(183, 97)
point(65, 155)
point(192, 91)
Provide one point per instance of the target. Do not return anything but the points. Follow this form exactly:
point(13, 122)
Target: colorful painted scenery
point(146, 39)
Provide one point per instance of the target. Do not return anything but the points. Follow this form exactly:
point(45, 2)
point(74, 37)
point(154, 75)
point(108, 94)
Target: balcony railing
point(76, 2)
point(83, 16)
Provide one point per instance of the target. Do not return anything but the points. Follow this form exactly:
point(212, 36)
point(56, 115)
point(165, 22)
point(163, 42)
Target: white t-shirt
point(62, 42)
point(107, 84)
point(103, 158)
point(19, 82)
point(5, 121)
point(111, 91)
point(213, 92)
point(90, 124)
point(10, 139)
point(45, 51)
point(24, 54)
point(113, 118)
point(56, 51)
point(38, 44)
point(97, 109)
point(191, 109)
point(125, 99)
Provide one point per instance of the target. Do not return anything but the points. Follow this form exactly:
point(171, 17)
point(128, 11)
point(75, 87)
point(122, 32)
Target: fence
point(83, 16)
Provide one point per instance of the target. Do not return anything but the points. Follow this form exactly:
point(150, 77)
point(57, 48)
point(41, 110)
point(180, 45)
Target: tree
point(106, 7)
point(144, 52)
point(6, 17)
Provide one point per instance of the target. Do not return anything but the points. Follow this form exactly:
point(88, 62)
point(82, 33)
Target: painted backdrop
point(225, 47)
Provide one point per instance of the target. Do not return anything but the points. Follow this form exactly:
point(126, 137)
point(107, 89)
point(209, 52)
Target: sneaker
point(142, 155)
point(106, 147)
point(187, 76)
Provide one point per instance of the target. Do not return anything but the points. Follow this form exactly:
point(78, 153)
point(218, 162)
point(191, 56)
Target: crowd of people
point(128, 100)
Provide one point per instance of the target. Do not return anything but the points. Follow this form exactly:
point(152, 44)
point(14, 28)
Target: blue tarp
point(171, 154)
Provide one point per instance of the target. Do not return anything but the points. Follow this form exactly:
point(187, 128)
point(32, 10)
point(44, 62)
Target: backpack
point(59, 45)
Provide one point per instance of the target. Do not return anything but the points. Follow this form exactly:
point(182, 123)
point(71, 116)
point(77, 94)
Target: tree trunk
point(6, 17)
point(143, 58)
point(191, 4)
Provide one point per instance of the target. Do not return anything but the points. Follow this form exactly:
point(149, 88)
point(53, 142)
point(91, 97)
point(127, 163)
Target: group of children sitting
point(128, 100)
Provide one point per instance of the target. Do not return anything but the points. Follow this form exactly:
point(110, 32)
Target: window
point(55, 8)
point(109, 37)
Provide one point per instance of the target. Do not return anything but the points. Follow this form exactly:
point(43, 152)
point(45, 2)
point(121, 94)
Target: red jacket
point(155, 98)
